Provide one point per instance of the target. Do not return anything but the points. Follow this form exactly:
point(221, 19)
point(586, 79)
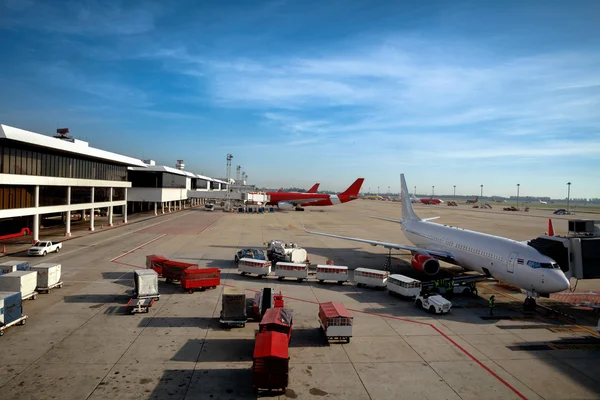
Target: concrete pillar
point(92, 213)
point(125, 208)
point(110, 209)
point(36, 217)
point(155, 206)
point(68, 222)
point(179, 205)
point(162, 207)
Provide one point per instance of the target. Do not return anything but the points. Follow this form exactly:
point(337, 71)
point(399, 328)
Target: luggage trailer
point(335, 321)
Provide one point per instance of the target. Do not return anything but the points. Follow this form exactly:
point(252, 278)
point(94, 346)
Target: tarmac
point(79, 342)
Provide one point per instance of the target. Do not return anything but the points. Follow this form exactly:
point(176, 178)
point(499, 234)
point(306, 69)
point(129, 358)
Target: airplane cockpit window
point(533, 264)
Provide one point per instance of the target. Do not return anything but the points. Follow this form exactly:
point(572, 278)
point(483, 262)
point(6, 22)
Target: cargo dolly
point(47, 289)
point(19, 321)
point(140, 305)
point(32, 295)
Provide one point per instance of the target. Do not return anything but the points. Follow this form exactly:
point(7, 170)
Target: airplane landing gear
point(299, 209)
point(530, 303)
point(387, 266)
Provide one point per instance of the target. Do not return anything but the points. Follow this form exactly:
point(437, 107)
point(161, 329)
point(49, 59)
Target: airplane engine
point(284, 205)
point(426, 263)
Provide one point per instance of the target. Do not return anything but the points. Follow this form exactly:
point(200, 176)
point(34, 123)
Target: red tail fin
point(314, 188)
point(354, 188)
point(550, 227)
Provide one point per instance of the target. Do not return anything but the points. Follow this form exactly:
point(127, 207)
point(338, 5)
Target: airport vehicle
point(277, 319)
point(264, 300)
point(155, 262)
point(11, 310)
point(251, 266)
point(48, 276)
point(336, 273)
point(233, 307)
point(14, 265)
point(434, 303)
point(403, 285)
point(140, 305)
point(172, 270)
point(145, 284)
point(278, 250)
point(209, 207)
point(561, 211)
point(371, 277)
point(200, 278)
point(291, 270)
point(504, 259)
point(270, 362)
point(257, 254)
point(44, 247)
point(297, 201)
point(473, 201)
point(336, 321)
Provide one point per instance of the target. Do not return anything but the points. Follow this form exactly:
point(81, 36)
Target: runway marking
point(562, 319)
point(505, 383)
point(138, 247)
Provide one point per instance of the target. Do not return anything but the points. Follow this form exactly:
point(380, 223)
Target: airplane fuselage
point(502, 258)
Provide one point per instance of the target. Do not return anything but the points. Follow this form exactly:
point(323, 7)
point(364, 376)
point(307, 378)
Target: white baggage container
point(372, 277)
point(48, 275)
point(332, 273)
point(403, 285)
point(252, 266)
point(7, 268)
point(145, 283)
point(19, 281)
point(291, 270)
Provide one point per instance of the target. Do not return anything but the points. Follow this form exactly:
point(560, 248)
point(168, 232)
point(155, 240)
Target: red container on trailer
point(155, 262)
point(200, 278)
point(277, 320)
point(172, 270)
point(270, 364)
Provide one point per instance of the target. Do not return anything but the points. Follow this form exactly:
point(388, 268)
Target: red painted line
point(508, 385)
point(138, 247)
point(208, 226)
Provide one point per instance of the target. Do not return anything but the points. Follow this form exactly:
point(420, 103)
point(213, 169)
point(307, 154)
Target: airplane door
point(510, 266)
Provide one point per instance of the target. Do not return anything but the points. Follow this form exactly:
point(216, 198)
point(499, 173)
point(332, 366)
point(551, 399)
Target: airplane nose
point(557, 282)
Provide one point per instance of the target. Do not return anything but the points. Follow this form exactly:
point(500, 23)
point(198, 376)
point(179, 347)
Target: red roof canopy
point(333, 310)
point(277, 315)
point(271, 344)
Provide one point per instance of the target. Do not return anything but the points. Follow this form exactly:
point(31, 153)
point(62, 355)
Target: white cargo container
point(145, 283)
point(373, 277)
point(252, 266)
point(48, 276)
point(20, 281)
point(7, 268)
point(291, 270)
point(332, 273)
point(403, 285)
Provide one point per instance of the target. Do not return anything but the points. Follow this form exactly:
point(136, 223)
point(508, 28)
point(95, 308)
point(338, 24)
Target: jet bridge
point(577, 253)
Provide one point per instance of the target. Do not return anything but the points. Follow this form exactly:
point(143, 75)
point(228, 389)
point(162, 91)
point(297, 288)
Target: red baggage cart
point(270, 363)
point(335, 321)
point(172, 270)
point(155, 262)
point(200, 278)
point(277, 320)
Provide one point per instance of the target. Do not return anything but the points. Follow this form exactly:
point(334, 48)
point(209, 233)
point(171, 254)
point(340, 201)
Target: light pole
point(415, 192)
point(388, 190)
point(568, 196)
point(432, 191)
point(518, 185)
point(377, 190)
point(454, 190)
point(481, 195)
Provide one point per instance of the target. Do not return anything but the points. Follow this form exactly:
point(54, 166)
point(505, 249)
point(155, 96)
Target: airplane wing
point(442, 255)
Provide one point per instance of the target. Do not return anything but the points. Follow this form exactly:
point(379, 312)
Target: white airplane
point(542, 202)
point(504, 259)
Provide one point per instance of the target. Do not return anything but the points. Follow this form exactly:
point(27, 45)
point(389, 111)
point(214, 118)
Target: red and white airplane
point(290, 200)
point(498, 200)
point(426, 200)
point(313, 189)
point(473, 201)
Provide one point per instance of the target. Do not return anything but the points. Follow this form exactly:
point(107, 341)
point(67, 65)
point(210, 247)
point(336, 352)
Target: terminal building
point(61, 179)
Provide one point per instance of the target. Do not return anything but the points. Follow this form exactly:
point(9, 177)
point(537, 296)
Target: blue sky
point(450, 93)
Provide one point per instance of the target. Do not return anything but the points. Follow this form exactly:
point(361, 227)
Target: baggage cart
point(277, 319)
point(145, 282)
point(48, 276)
point(270, 362)
point(251, 266)
point(371, 277)
point(291, 270)
point(336, 321)
point(403, 285)
point(14, 265)
point(171, 270)
point(155, 262)
point(136, 305)
point(20, 281)
point(332, 273)
point(233, 303)
point(11, 310)
point(200, 278)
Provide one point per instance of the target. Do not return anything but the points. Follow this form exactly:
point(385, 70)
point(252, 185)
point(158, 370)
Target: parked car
point(257, 254)
point(44, 247)
point(560, 211)
point(209, 207)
